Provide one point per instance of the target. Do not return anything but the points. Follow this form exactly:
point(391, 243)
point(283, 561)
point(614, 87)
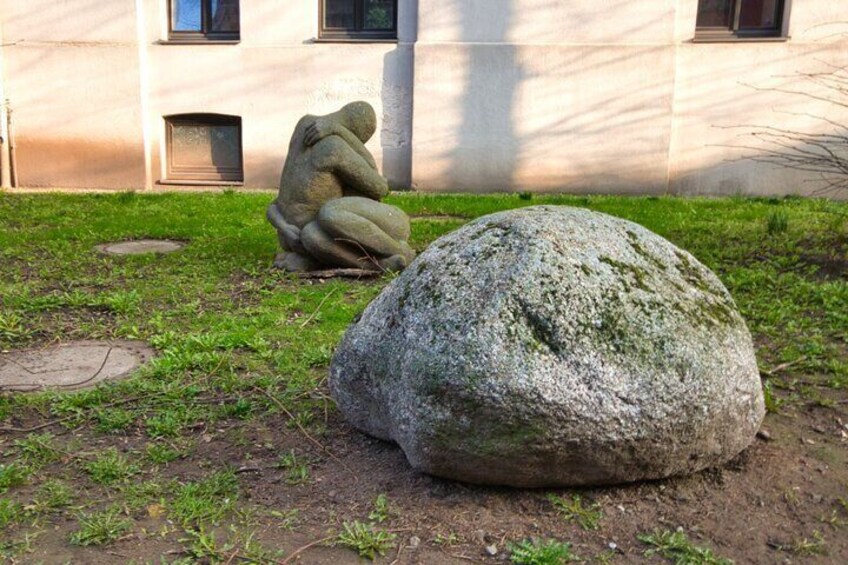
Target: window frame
point(204, 35)
point(201, 175)
point(733, 33)
point(358, 33)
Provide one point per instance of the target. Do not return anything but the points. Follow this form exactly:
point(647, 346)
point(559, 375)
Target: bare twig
point(782, 367)
point(308, 436)
point(340, 273)
point(290, 558)
point(318, 309)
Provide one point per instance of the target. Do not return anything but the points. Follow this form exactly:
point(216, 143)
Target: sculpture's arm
point(290, 233)
point(358, 174)
point(322, 128)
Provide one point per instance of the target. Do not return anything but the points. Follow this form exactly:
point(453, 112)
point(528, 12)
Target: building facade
point(584, 96)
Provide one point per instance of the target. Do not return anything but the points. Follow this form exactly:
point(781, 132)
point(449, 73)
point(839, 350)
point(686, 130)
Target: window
point(204, 20)
point(358, 19)
point(726, 19)
point(204, 147)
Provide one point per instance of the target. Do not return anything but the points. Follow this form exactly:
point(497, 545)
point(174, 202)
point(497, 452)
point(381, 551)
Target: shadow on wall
point(487, 145)
point(396, 121)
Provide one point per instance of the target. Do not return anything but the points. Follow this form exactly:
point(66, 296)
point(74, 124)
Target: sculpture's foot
point(400, 261)
point(295, 262)
point(394, 263)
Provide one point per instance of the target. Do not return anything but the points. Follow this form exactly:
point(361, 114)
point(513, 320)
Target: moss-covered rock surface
point(553, 346)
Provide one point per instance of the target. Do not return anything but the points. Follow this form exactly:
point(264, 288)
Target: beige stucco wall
point(90, 83)
point(72, 82)
point(612, 96)
point(477, 95)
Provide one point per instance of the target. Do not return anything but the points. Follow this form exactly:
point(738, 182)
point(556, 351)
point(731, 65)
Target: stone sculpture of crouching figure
point(328, 212)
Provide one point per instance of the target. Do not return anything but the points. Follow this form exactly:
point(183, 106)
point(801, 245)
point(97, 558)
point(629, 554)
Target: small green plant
point(165, 424)
point(288, 519)
point(51, 495)
point(161, 453)
point(807, 546)
point(447, 539)
point(38, 450)
point(772, 401)
point(111, 420)
point(298, 471)
point(381, 511)
point(573, 510)
point(137, 495)
point(677, 547)
point(100, 528)
point(12, 475)
point(10, 512)
point(367, 541)
point(203, 547)
point(12, 327)
point(525, 195)
point(110, 467)
point(206, 501)
point(777, 222)
point(535, 552)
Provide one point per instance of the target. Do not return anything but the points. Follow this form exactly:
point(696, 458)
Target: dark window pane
point(714, 13)
point(759, 14)
point(225, 15)
point(186, 16)
point(198, 146)
point(379, 14)
point(339, 14)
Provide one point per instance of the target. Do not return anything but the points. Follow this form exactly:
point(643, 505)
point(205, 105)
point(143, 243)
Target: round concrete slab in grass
point(141, 246)
point(70, 366)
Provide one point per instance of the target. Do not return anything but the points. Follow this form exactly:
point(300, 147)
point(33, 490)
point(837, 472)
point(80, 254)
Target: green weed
point(10, 512)
point(110, 467)
point(677, 547)
point(367, 541)
point(12, 328)
point(51, 495)
point(204, 547)
point(535, 552)
point(100, 528)
point(381, 511)
point(37, 450)
point(12, 475)
point(777, 222)
point(772, 401)
point(574, 510)
point(297, 470)
point(205, 501)
point(162, 453)
point(113, 420)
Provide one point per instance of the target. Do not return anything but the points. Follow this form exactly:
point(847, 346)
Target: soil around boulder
point(553, 346)
point(141, 247)
point(70, 366)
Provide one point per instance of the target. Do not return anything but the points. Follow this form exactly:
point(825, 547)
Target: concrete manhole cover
point(71, 366)
point(141, 247)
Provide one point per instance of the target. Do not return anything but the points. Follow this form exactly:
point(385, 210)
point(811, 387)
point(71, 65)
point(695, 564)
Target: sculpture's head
point(360, 118)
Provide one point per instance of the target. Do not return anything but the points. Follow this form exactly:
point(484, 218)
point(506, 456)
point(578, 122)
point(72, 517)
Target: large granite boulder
point(553, 346)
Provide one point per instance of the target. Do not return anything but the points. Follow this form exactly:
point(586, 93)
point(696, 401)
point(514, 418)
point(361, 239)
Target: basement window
point(204, 148)
point(728, 20)
point(358, 19)
point(204, 20)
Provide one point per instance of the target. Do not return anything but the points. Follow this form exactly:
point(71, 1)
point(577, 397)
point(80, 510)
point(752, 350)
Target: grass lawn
point(226, 448)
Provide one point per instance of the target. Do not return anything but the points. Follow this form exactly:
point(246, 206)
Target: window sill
point(354, 40)
point(198, 42)
point(737, 39)
point(169, 182)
